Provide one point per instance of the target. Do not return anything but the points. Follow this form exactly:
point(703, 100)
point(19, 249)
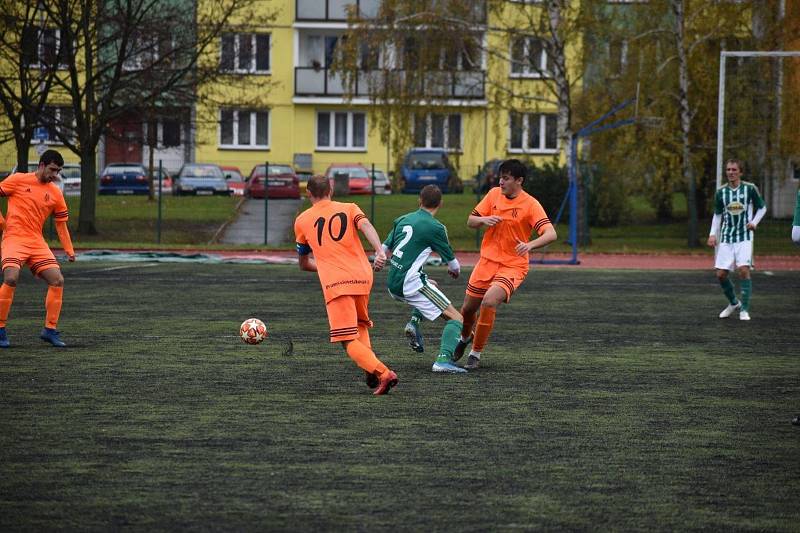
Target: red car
point(356, 173)
point(235, 180)
point(282, 182)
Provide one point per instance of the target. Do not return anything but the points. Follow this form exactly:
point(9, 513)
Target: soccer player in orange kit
point(329, 230)
point(511, 214)
point(32, 197)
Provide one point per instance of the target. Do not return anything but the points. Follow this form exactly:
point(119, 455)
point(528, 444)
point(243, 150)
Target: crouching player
point(412, 239)
point(329, 230)
point(32, 197)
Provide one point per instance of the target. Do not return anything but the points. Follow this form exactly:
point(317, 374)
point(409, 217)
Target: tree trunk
point(86, 218)
point(686, 122)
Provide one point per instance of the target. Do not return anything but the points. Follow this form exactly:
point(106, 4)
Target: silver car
point(382, 183)
point(200, 179)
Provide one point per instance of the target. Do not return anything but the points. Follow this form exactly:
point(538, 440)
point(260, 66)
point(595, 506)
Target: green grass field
point(608, 400)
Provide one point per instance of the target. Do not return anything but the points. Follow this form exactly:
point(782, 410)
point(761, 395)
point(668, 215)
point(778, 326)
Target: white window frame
point(527, 71)
point(526, 128)
point(622, 59)
point(145, 51)
point(446, 133)
point(58, 110)
point(332, 131)
point(235, 145)
point(253, 60)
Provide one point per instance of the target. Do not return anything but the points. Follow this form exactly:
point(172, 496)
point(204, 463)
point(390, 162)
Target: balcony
point(334, 10)
point(458, 85)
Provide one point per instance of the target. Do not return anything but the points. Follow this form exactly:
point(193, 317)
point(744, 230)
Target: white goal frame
point(721, 103)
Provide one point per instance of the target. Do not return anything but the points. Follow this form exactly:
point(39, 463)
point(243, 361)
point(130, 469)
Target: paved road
point(248, 228)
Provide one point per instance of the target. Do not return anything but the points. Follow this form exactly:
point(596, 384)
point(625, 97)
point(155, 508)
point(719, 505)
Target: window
point(529, 58)
point(438, 131)
point(149, 49)
point(55, 121)
point(341, 130)
point(245, 53)
point(240, 128)
point(533, 132)
point(43, 47)
point(165, 133)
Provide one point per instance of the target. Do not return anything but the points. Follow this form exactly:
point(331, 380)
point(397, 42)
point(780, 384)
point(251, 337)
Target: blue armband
point(303, 249)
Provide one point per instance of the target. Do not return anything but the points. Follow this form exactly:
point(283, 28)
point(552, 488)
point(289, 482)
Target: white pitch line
point(122, 267)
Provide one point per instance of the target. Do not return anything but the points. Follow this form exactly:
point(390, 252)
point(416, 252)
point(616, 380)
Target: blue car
point(425, 166)
point(124, 178)
point(200, 179)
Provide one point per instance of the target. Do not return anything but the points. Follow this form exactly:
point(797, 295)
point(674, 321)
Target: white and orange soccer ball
point(253, 331)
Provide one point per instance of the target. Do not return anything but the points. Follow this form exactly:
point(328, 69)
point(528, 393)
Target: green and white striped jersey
point(412, 239)
point(736, 207)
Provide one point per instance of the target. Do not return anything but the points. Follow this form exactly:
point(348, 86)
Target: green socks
point(416, 317)
point(450, 335)
point(747, 289)
point(730, 293)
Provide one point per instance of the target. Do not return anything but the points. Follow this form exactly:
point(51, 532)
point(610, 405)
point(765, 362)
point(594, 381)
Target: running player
point(328, 229)
point(734, 205)
point(511, 214)
point(32, 197)
point(412, 239)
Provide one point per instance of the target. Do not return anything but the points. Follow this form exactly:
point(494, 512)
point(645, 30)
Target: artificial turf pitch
point(606, 400)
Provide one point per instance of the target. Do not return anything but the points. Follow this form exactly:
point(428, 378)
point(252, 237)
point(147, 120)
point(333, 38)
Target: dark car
point(425, 166)
point(282, 182)
point(488, 176)
point(200, 179)
point(124, 178)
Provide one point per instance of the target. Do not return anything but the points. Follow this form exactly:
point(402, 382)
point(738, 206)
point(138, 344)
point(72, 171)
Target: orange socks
point(484, 328)
point(467, 325)
point(6, 297)
point(363, 335)
point(364, 357)
point(53, 306)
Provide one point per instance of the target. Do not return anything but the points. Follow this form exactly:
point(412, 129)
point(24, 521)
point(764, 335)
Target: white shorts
point(428, 300)
point(733, 255)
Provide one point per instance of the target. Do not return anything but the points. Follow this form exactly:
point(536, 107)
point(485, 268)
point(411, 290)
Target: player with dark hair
point(32, 197)
point(413, 238)
point(329, 230)
point(735, 220)
point(511, 215)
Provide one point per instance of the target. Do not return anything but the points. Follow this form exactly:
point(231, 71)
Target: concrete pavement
point(248, 228)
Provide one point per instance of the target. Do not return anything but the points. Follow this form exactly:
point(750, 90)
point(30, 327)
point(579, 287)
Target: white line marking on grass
point(120, 267)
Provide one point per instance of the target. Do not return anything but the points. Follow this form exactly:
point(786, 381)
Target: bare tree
point(29, 58)
point(126, 56)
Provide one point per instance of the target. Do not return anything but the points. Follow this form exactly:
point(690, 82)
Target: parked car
point(356, 174)
point(282, 182)
point(200, 179)
point(424, 166)
point(234, 178)
point(304, 176)
point(166, 181)
point(70, 182)
point(382, 183)
point(124, 178)
point(488, 176)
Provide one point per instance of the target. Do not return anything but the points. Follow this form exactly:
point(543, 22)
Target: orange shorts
point(488, 273)
point(37, 256)
point(345, 314)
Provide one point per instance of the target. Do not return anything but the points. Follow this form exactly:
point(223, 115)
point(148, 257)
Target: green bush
point(608, 198)
point(548, 184)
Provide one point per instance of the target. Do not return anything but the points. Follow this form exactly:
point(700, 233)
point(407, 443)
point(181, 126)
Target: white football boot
point(728, 311)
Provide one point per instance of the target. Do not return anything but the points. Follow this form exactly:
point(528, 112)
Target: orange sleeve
point(484, 207)
point(9, 185)
point(63, 236)
point(538, 218)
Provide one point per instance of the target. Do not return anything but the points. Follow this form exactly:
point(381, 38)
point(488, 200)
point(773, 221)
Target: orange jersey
point(330, 229)
point(521, 215)
point(30, 202)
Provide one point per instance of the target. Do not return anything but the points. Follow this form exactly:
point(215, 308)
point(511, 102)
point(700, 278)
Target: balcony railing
point(310, 81)
point(336, 10)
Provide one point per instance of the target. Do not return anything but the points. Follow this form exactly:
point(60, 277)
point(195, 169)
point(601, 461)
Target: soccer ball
point(253, 331)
